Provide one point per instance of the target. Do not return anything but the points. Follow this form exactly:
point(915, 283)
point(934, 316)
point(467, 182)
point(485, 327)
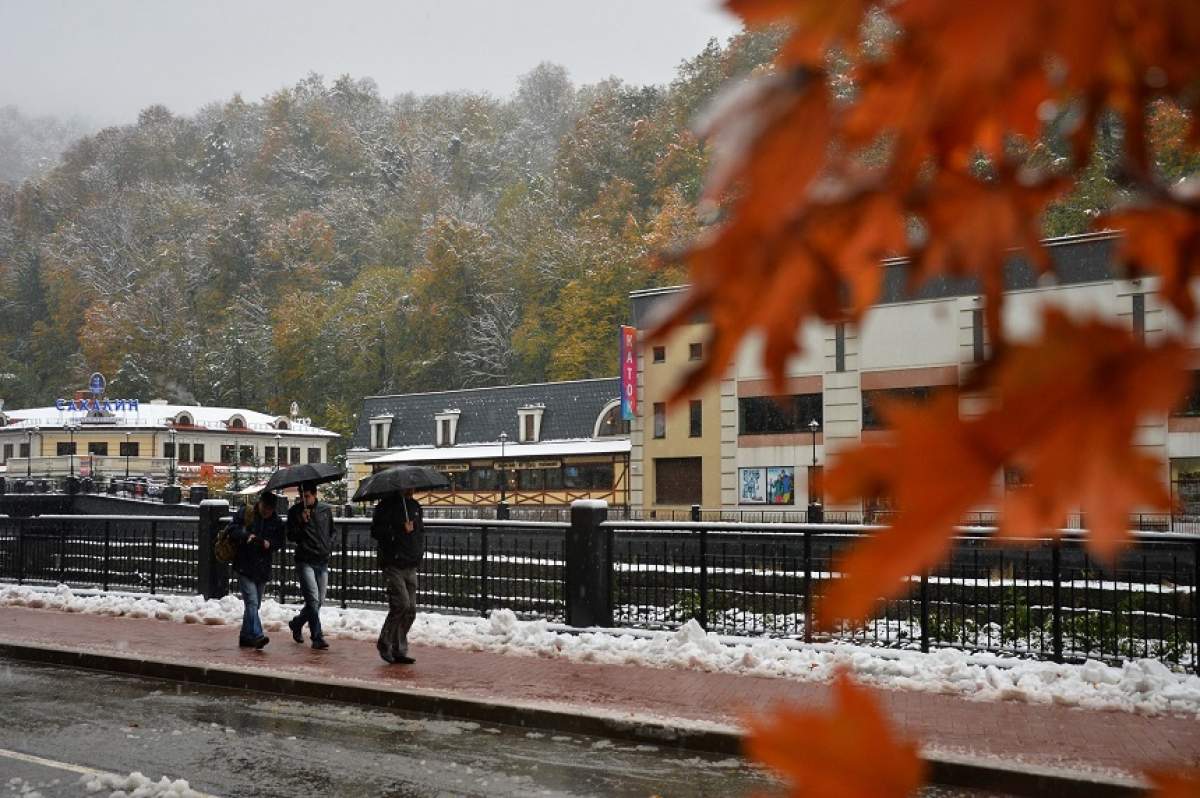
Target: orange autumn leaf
point(824, 753)
point(1175, 784)
point(1163, 241)
point(1064, 410)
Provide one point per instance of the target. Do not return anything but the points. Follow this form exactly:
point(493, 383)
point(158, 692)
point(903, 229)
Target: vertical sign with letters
point(628, 372)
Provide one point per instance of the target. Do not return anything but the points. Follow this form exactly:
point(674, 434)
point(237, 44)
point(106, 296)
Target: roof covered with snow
point(570, 412)
point(147, 415)
point(510, 451)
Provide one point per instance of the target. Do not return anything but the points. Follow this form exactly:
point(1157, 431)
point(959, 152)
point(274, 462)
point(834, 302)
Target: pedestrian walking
point(258, 533)
point(399, 529)
point(310, 528)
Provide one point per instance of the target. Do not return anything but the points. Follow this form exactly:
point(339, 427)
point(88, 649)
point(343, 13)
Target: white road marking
point(67, 766)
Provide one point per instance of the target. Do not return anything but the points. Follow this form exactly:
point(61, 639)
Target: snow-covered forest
point(327, 243)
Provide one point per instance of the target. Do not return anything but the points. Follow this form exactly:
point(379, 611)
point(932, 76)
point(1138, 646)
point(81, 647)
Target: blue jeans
point(252, 594)
point(313, 580)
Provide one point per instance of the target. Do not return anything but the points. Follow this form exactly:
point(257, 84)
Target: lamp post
point(278, 439)
point(237, 455)
point(503, 472)
point(171, 471)
point(127, 444)
point(71, 451)
point(29, 447)
point(815, 512)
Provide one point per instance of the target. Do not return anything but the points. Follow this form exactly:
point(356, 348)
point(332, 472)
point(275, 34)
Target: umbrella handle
point(408, 526)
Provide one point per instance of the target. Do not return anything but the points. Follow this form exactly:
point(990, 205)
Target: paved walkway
point(1037, 735)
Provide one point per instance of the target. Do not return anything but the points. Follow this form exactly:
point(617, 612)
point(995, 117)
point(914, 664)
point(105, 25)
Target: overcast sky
point(107, 59)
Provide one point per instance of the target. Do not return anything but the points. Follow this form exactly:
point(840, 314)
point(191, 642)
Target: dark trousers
point(401, 584)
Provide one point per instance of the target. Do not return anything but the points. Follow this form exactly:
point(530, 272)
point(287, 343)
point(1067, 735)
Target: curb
point(945, 769)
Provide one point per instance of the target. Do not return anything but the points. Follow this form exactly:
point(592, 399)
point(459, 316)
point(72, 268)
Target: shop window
point(168, 449)
point(283, 458)
point(773, 415)
point(226, 454)
point(695, 419)
point(294, 455)
point(129, 448)
point(269, 455)
point(531, 479)
point(197, 452)
point(98, 448)
point(314, 455)
point(185, 453)
point(247, 455)
point(65, 448)
point(678, 480)
point(483, 478)
point(588, 476)
point(660, 420)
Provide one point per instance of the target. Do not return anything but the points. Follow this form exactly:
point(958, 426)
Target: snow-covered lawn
point(1145, 685)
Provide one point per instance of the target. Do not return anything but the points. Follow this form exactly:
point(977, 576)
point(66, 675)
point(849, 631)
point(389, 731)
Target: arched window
point(610, 424)
point(185, 420)
point(282, 423)
point(236, 422)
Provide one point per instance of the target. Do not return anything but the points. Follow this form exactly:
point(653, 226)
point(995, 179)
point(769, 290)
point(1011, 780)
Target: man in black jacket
point(310, 527)
point(259, 534)
point(399, 528)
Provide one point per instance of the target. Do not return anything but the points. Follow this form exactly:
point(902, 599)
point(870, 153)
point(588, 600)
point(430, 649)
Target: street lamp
point(171, 471)
point(813, 426)
point(29, 446)
point(127, 444)
point(71, 451)
point(503, 473)
point(278, 439)
point(237, 483)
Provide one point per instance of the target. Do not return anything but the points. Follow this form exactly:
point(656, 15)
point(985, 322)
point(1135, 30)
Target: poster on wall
point(752, 486)
point(781, 485)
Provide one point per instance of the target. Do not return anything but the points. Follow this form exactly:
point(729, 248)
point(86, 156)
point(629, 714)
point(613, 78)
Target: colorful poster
point(752, 485)
point(781, 485)
point(628, 372)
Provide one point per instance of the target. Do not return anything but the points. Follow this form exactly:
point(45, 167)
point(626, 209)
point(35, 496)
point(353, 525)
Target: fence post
point(925, 611)
point(807, 586)
point(1056, 610)
point(212, 575)
point(62, 553)
point(107, 560)
point(483, 571)
point(589, 565)
point(153, 555)
point(20, 522)
point(345, 560)
point(1196, 606)
point(502, 511)
point(703, 619)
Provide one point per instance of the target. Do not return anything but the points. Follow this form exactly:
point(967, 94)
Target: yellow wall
point(658, 381)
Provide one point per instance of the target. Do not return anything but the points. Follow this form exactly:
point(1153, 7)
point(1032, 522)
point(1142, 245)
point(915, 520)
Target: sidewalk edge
point(945, 769)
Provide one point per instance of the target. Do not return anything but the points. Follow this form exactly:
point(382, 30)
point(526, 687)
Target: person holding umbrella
point(310, 527)
point(399, 528)
point(258, 533)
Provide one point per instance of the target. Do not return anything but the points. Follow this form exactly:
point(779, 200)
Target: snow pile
point(135, 785)
point(1144, 685)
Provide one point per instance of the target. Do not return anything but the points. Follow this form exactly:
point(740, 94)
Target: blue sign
point(96, 405)
point(97, 384)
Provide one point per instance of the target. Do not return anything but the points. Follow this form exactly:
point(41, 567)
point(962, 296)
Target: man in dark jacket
point(258, 533)
point(399, 528)
point(310, 527)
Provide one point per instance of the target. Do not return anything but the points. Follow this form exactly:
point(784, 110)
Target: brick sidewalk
point(1038, 735)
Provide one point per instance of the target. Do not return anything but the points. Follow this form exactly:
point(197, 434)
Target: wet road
point(235, 743)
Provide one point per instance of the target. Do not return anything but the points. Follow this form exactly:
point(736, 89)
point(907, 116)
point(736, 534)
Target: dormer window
point(184, 420)
point(447, 427)
point(381, 431)
point(282, 423)
point(236, 422)
point(530, 426)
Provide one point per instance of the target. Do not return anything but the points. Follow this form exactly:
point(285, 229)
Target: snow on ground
point(135, 785)
point(1144, 685)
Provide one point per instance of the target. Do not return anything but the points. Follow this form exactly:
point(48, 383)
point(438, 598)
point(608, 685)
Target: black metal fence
point(1049, 600)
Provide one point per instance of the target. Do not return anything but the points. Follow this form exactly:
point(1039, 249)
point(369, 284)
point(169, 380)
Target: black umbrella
point(398, 479)
point(308, 472)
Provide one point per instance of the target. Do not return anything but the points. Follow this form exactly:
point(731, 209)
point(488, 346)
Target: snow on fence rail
point(1050, 601)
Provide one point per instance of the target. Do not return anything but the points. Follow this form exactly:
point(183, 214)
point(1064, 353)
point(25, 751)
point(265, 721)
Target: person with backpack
point(310, 527)
point(258, 533)
point(399, 529)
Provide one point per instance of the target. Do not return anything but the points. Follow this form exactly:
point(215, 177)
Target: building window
point(1191, 403)
point(588, 476)
point(295, 455)
point(283, 458)
point(695, 351)
point(98, 448)
point(527, 428)
point(197, 452)
point(129, 448)
point(168, 449)
point(314, 455)
point(185, 453)
point(269, 455)
point(8, 450)
point(237, 422)
point(678, 480)
point(23, 450)
point(381, 428)
point(871, 400)
point(482, 478)
point(226, 454)
point(659, 354)
point(247, 455)
point(444, 437)
point(612, 424)
point(839, 347)
point(695, 419)
point(65, 448)
point(773, 415)
point(660, 420)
